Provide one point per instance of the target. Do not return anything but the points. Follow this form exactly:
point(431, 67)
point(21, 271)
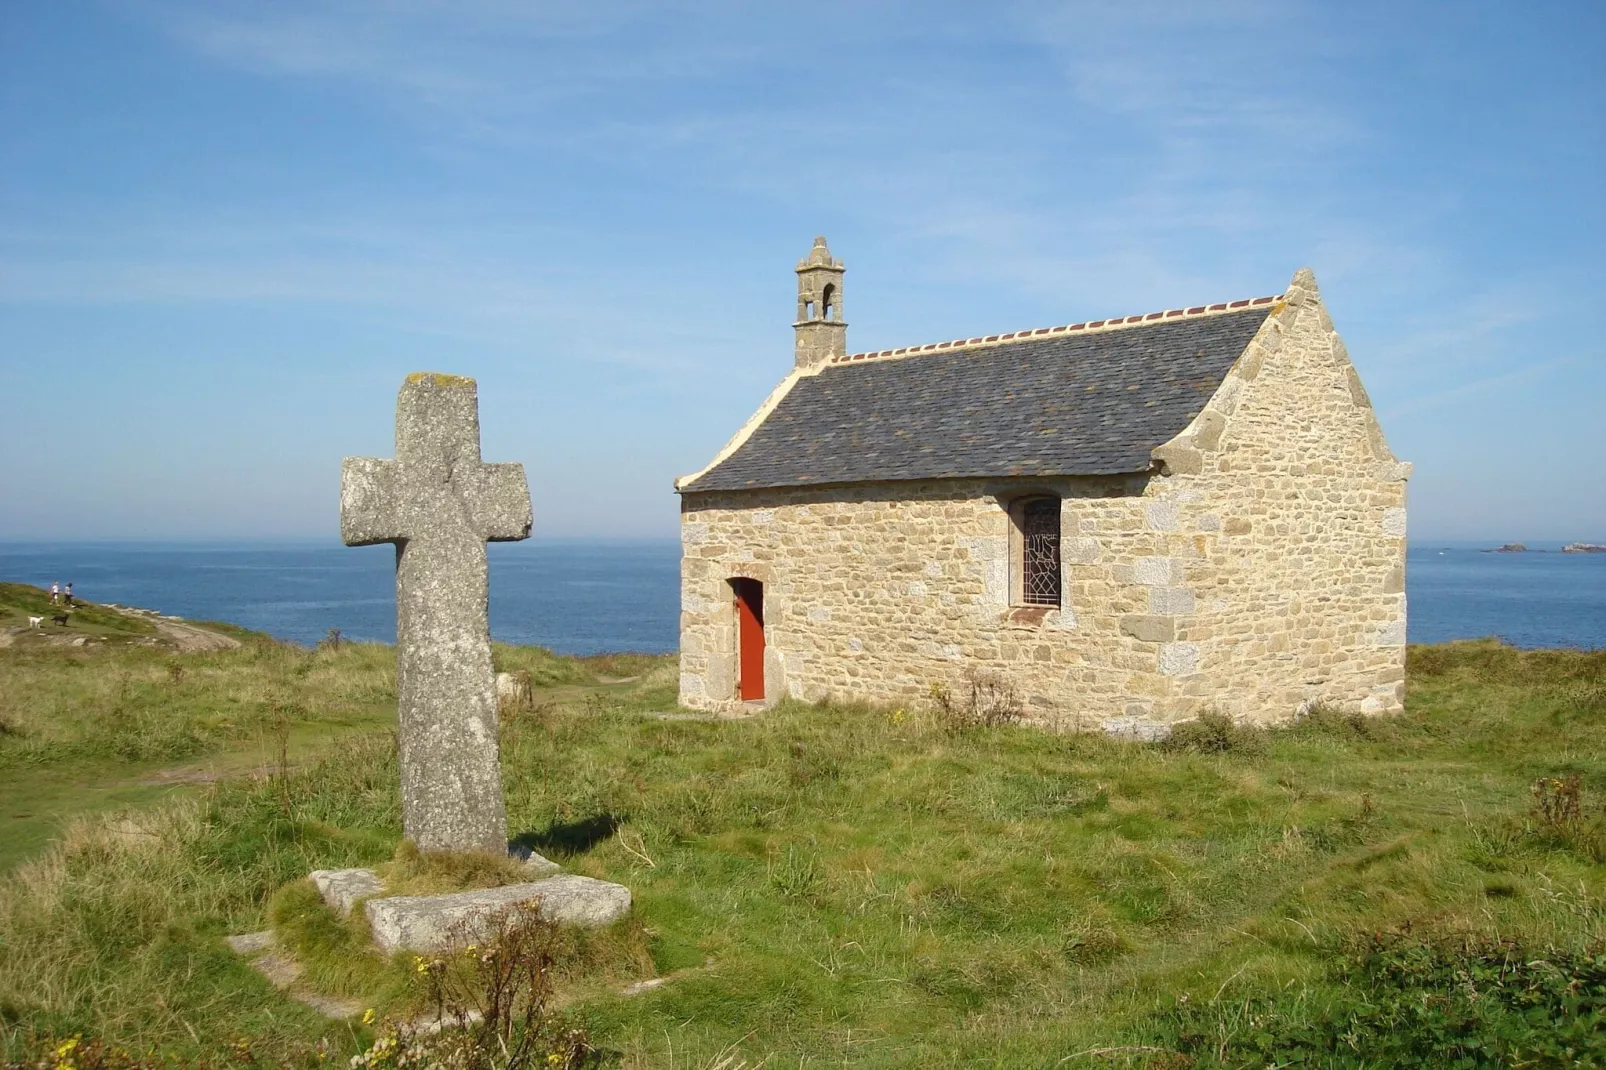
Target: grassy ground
point(19, 602)
point(825, 885)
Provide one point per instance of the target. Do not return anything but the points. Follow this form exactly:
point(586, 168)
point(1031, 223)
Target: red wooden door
point(749, 639)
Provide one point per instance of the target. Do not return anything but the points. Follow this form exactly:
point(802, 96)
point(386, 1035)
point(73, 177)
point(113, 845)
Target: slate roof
point(1075, 400)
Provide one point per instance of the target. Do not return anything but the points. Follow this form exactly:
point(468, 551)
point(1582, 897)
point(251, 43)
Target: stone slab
point(282, 971)
point(334, 1007)
point(1136, 728)
point(538, 864)
point(643, 986)
point(429, 922)
point(341, 888)
point(250, 943)
point(1149, 627)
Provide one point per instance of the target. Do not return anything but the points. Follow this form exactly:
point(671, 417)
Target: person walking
point(55, 592)
point(69, 592)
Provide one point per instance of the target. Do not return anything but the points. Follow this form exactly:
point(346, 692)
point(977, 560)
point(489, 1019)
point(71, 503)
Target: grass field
point(838, 885)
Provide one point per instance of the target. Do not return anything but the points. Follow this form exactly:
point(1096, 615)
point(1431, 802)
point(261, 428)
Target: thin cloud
point(484, 67)
point(1441, 398)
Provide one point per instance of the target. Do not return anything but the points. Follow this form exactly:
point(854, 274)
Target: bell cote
point(821, 331)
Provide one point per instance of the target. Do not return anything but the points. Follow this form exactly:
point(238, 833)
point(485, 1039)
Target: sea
point(598, 595)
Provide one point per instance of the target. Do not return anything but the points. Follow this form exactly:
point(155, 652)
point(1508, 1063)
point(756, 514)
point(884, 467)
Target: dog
point(34, 622)
point(61, 618)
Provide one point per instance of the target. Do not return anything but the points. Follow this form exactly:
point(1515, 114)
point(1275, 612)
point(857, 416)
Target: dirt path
point(174, 631)
point(190, 638)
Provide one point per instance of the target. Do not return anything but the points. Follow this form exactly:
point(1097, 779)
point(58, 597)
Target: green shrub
point(1402, 1000)
point(1324, 720)
point(1559, 817)
point(1215, 733)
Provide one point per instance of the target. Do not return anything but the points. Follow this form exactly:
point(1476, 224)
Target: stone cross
point(439, 503)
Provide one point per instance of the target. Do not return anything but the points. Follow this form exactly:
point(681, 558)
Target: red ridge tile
point(960, 343)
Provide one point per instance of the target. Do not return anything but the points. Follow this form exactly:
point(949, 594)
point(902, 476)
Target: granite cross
point(439, 503)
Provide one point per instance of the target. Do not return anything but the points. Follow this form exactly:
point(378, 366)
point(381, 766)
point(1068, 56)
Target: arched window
point(808, 310)
point(1037, 521)
point(827, 301)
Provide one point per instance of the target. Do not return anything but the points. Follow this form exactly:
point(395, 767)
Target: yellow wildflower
point(368, 1016)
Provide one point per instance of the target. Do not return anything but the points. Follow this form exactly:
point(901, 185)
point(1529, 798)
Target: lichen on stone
point(440, 379)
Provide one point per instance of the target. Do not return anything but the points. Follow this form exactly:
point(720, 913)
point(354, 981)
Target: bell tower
point(821, 331)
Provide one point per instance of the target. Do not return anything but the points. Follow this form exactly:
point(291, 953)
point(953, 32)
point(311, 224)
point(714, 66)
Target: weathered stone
point(1207, 429)
point(514, 691)
point(1079, 551)
point(1149, 628)
point(1139, 729)
point(429, 923)
point(1159, 571)
point(1178, 600)
point(1178, 659)
point(282, 971)
point(1180, 460)
point(538, 865)
point(341, 888)
point(1163, 516)
point(1391, 634)
point(334, 1007)
point(821, 332)
point(440, 504)
point(1357, 392)
point(250, 943)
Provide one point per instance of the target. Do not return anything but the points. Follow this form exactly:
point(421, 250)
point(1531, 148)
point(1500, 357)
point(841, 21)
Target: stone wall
point(1260, 569)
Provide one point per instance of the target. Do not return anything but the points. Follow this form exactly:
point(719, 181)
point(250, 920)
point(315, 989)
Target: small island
point(1570, 548)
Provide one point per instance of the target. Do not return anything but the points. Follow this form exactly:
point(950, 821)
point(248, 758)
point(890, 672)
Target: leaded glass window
point(1040, 552)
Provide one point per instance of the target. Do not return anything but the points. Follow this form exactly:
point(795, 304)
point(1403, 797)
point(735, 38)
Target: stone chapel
point(1131, 521)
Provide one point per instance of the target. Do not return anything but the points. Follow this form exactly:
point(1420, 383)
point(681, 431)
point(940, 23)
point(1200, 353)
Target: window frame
point(1018, 559)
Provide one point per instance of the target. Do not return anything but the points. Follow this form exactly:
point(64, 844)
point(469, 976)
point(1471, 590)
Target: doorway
point(749, 595)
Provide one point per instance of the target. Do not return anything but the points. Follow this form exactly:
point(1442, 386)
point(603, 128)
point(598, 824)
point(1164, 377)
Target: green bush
point(1215, 733)
point(1403, 1000)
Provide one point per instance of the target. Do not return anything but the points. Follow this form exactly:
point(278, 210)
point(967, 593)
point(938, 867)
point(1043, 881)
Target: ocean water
point(1541, 598)
point(580, 597)
point(590, 596)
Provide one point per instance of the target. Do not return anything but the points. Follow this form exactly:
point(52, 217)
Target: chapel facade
point(1129, 521)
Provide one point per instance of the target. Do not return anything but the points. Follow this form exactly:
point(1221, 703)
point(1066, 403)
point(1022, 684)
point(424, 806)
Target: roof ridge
point(1119, 322)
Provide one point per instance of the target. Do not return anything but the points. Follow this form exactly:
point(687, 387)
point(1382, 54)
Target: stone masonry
point(439, 503)
point(1256, 569)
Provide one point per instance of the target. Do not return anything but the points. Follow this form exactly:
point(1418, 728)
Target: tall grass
point(142, 705)
point(842, 884)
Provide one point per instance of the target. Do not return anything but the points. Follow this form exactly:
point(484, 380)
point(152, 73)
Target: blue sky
point(227, 231)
